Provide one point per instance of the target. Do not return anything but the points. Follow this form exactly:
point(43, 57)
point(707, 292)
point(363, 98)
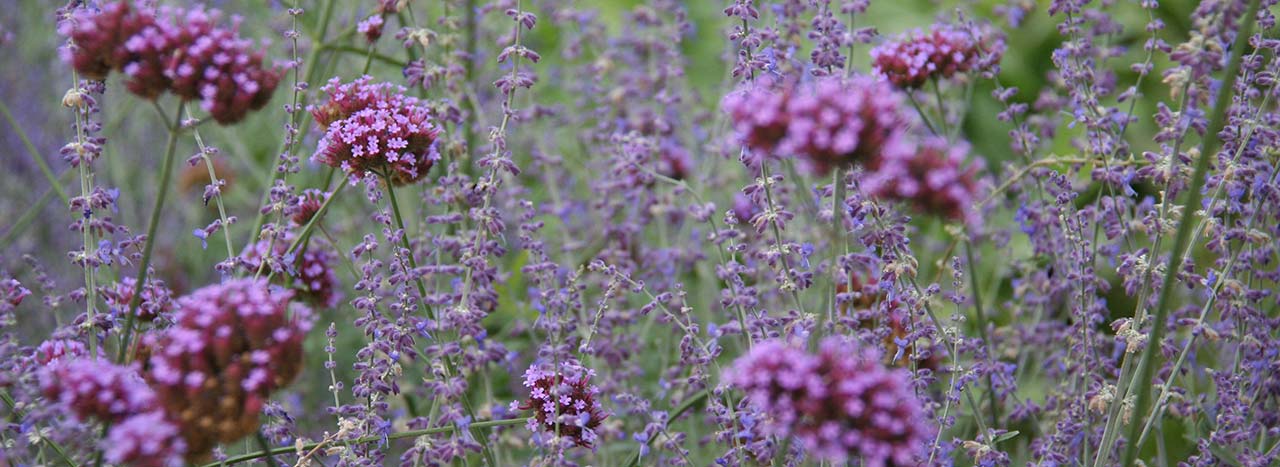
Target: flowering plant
point(644, 233)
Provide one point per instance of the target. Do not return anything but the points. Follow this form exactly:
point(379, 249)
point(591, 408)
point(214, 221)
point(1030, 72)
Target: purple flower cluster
point(914, 58)
point(12, 292)
point(933, 179)
point(564, 403)
point(839, 404)
point(141, 435)
point(231, 346)
point(145, 440)
point(182, 51)
point(309, 272)
point(374, 129)
point(94, 388)
point(831, 122)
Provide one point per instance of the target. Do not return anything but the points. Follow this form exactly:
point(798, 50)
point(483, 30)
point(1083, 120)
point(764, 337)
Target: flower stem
point(1208, 151)
point(162, 191)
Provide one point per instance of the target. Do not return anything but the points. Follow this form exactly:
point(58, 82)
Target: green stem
point(1208, 151)
point(266, 448)
point(364, 439)
point(162, 191)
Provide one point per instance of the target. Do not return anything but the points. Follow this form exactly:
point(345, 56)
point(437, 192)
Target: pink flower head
point(308, 272)
point(564, 402)
point(837, 122)
point(375, 129)
point(96, 388)
point(828, 121)
point(214, 65)
point(944, 51)
point(933, 178)
point(839, 404)
point(306, 206)
point(370, 28)
point(99, 39)
point(145, 440)
point(758, 113)
point(231, 345)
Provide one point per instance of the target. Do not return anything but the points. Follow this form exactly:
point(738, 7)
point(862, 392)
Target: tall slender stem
point(162, 192)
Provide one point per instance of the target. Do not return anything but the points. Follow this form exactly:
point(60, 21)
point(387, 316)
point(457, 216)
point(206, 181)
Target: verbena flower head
point(232, 344)
point(781, 380)
point(828, 121)
point(373, 129)
point(96, 388)
point(309, 273)
point(145, 440)
point(214, 65)
point(55, 351)
point(305, 206)
point(839, 404)
point(564, 403)
point(12, 292)
point(99, 38)
point(912, 59)
point(758, 112)
point(183, 51)
point(838, 122)
point(934, 179)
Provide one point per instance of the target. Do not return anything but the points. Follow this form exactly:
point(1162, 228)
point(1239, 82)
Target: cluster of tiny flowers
point(310, 272)
point(563, 403)
point(305, 206)
point(831, 122)
point(374, 129)
point(141, 435)
point(156, 300)
point(839, 404)
point(12, 292)
point(218, 67)
point(232, 344)
point(96, 388)
point(57, 350)
point(914, 58)
point(933, 179)
point(145, 440)
point(182, 51)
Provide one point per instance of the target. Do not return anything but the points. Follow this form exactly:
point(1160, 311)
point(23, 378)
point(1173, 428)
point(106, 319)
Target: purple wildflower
point(375, 129)
point(97, 388)
point(145, 440)
point(564, 403)
point(841, 403)
point(231, 346)
point(933, 179)
point(941, 53)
